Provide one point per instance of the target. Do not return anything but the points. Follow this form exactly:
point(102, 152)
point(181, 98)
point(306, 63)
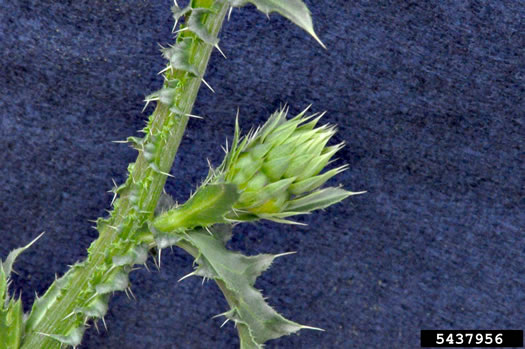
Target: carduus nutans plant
point(272, 173)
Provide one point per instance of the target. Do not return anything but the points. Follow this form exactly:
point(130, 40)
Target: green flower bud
point(277, 168)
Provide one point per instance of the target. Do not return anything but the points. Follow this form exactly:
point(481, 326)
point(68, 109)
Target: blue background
point(428, 96)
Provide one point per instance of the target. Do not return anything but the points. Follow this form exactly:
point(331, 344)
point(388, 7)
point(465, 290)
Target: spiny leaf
point(195, 24)
point(295, 10)
point(7, 265)
point(11, 314)
point(179, 56)
point(179, 12)
point(236, 275)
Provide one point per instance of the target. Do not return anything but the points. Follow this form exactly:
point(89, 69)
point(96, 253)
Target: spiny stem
point(138, 199)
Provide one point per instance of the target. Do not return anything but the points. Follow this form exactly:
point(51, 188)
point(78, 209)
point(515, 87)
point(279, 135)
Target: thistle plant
point(272, 173)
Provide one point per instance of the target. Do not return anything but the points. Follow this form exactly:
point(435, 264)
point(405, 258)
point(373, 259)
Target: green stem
point(58, 312)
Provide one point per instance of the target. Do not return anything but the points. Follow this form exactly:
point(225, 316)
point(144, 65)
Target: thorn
point(208, 85)
point(147, 103)
point(43, 334)
point(96, 326)
point(284, 254)
point(90, 298)
point(323, 46)
point(224, 323)
point(164, 70)
point(146, 266)
point(219, 315)
point(305, 110)
point(186, 276)
point(68, 316)
point(322, 114)
point(104, 321)
point(114, 193)
point(312, 328)
point(219, 49)
point(194, 116)
point(230, 12)
point(127, 294)
point(160, 253)
point(34, 240)
point(175, 2)
point(212, 170)
point(156, 169)
point(131, 292)
point(208, 230)
point(181, 30)
point(155, 262)
point(121, 142)
point(236, 211)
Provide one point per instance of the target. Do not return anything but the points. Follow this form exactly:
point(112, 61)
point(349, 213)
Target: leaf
point(7, 265)
point(295, 10)
point(179, 56)
point(235, 274)
point(196, 25)
point(11, 313)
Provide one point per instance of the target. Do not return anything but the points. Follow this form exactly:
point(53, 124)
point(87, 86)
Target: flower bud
point(277, 168)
